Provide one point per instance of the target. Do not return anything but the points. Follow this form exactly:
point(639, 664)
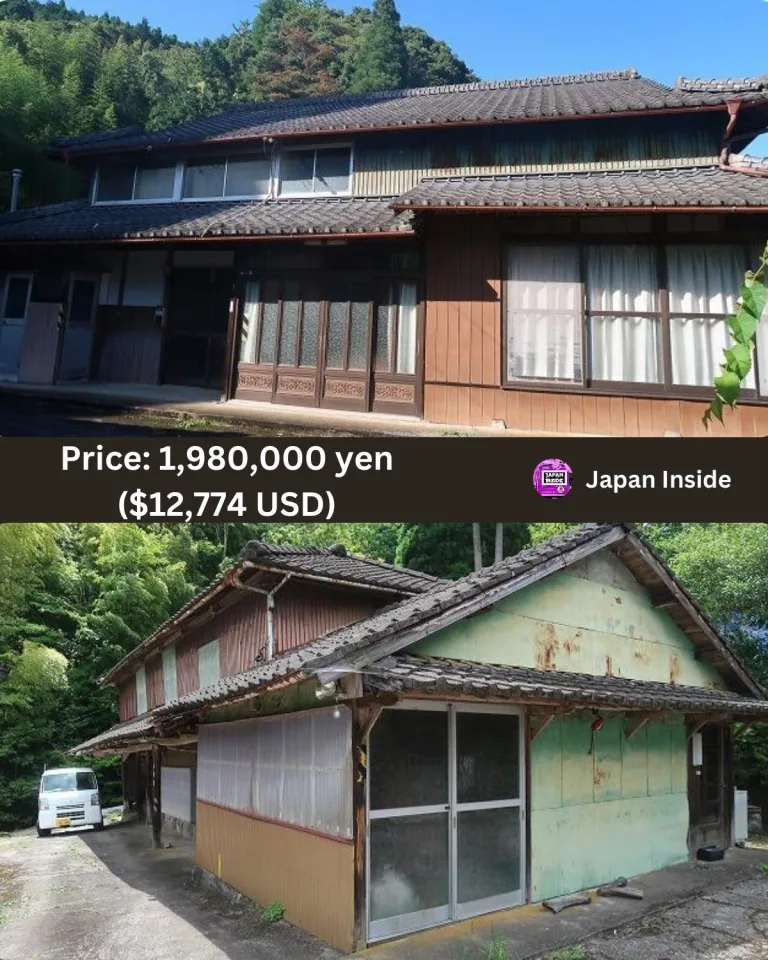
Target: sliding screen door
point(446, 820)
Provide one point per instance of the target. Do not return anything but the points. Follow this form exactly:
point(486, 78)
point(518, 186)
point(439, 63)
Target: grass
point(274, 913)
point(763, 868)
point(569, 953)
point(498, 949)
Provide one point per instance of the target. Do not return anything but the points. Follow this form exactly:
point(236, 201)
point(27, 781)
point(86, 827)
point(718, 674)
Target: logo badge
point(552, 478)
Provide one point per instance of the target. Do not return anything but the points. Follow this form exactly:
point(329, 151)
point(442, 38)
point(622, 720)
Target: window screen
point(155, 183)
point(248, 178)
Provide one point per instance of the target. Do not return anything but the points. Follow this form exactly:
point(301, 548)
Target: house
point(384, 752)
point(556, 255)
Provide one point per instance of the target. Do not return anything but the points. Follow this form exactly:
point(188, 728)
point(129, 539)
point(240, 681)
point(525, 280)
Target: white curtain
point(250, 335)
point(702, 280)
point(624, 279)
point(406, 341)
point(544, 313)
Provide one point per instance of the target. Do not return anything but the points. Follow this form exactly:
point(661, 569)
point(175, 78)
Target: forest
point(74, 598)
point(64, 73)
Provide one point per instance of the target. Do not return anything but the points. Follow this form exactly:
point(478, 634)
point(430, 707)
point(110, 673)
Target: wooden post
point(360, 726)
point(477, 546)
point(155, 808)
point(499, 553)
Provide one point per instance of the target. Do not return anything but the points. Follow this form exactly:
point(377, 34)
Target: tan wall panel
point(582, 414)
point(312, 876)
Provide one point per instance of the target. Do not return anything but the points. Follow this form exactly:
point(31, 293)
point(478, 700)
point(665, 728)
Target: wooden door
point(79, 322)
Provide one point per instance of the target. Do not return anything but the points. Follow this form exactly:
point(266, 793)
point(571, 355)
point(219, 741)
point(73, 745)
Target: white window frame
point(316, 147)
point(127, 203)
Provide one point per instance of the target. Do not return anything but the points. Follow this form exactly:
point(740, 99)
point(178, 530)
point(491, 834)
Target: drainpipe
point(270, 595)
point(16, 176)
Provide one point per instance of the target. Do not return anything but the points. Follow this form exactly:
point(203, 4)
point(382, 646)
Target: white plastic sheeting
point(177, 792)
point(296, 768)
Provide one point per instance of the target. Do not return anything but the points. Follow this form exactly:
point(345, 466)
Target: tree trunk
point(478, 546)
point(499, 555)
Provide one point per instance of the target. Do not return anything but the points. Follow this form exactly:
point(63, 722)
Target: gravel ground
point(108, 896)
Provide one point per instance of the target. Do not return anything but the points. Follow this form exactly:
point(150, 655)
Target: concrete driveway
point(108, 896)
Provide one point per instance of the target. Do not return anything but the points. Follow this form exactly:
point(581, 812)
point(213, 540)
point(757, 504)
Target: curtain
point(250, 334)
point(703, 280)
point(624, 279)
point(544, 313)
point(406, 341)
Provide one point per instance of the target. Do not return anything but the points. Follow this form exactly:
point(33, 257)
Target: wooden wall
point(155, 689)
point(127, 699)
point(311, 875)
point(463, 359)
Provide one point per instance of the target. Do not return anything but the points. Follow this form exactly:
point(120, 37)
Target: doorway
point(198, 320)
point(79, 321)
point(446, 815)
point(15, 294)
point(710, 791)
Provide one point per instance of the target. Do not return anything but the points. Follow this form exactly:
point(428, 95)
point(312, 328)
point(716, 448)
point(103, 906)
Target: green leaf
point(728, 386)
point(739, 359)
point(715, 409)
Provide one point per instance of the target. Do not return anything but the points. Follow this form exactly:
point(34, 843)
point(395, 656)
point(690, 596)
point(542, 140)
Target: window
point(248, 178)
point(208, 663)
point(204, 181)
point(609, 313)
point(396, 330)
point(16, 298)
point(169, 674)
point(322, 172)
point(69, 781)
point(141, 691)
point(126, 182)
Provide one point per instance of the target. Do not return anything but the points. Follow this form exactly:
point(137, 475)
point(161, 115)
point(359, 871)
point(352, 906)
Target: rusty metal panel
point(304, 612)
point(295, 768)
point(127, 699)
point(155, 688)
point(312, 876)
point(187, 674)
point(242, 634)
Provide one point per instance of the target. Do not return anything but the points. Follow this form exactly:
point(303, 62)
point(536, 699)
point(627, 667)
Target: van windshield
point(64, 782)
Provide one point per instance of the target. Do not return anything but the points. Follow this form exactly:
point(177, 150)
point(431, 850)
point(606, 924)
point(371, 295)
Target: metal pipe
point(16, 176)
point(270, 595)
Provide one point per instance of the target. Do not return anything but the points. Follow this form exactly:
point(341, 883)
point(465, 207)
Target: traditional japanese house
point(383, 752)
point(551, 255)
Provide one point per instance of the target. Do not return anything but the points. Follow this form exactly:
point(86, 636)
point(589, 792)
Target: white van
point(69, 797)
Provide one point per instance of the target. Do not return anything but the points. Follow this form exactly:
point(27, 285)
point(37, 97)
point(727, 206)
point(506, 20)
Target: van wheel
point(43, 833)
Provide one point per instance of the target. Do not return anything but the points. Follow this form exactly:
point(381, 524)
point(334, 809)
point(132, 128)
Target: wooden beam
point(540, 723)
point(636, 723)
point(702, 722)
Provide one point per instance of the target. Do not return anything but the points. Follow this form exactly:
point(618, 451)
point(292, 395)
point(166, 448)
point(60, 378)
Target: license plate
point(62, 821)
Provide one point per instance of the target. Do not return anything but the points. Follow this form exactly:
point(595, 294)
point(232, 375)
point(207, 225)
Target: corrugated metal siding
point(141, 691)
point(242, 633)
point(388, 169)
point(295, 768)
point(127, 700)
point(304, 612)
point(312, 876)
point(155, 689)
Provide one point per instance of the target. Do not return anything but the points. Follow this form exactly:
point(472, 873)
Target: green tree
point(381, 60)
point(446, 549)
point(432, 62)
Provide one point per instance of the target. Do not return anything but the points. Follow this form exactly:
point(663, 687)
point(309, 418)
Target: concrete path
point(108, 896)
point(692, 911)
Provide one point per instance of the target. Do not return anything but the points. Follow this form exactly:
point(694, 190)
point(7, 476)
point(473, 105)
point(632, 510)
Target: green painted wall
point(592, 618)
point(620, 811)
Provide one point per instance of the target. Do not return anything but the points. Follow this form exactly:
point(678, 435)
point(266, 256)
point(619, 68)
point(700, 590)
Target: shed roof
point(537, 98)
point(446, 677)
point(236, 219)
point(695, 187)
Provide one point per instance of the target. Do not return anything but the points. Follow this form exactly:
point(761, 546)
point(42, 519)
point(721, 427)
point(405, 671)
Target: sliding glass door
point(446, 816)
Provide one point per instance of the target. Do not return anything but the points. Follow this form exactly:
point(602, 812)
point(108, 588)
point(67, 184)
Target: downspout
point(16, 176)
point(724, 160)
point(270, 595)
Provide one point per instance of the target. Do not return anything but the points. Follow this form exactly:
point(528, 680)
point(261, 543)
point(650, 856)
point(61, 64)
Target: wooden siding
point(463, 357)
point(187, 673)
point(127, 699)
point(304, 611)
point(313, 876)
point(390, 166)
point(155, 690)
point(41, 343)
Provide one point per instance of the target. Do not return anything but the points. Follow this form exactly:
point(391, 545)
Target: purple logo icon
point(552, 478)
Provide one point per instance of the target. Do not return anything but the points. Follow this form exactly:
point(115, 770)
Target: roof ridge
point(561, 174)
point(721, 85)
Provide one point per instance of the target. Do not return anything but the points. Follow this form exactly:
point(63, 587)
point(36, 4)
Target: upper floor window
point(316, 172)
point(297, 173)
point(610, 313)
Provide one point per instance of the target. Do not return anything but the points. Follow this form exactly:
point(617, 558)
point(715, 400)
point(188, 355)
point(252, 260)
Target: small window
point(141, 691)
point(248, 178)
point(321, 172)
point(204, 182)
point(16, 298)
point(116, 183)
point(396, 330)
point(155, 183)
point(208, 663)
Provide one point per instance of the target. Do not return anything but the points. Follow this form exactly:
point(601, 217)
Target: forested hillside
point(74, 598)
point(63, 72)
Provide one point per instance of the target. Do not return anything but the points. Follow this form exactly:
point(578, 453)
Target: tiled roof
point(336, 563)
point(229, 218)
point(121, 734)
point(702, 187)
point(437, 675)
point(728, 85)
point(582, 95)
